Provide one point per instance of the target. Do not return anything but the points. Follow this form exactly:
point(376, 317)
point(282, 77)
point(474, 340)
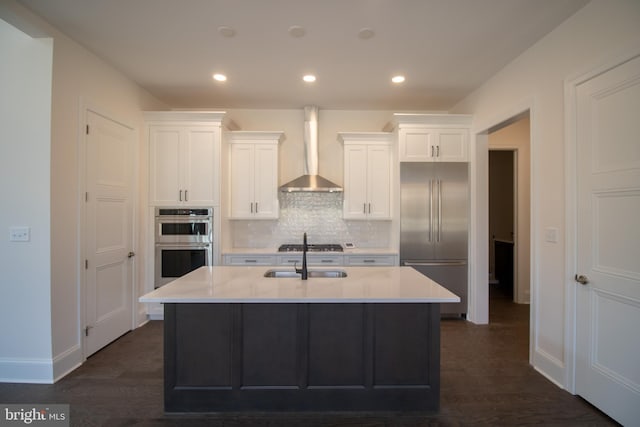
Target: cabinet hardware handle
point(131, 254)
point(370, 261)
point(180, 197)
point(432, 151)
point(364, 208)
point(327, 261)
point(186, 195)
point(250, 260)
point(251, 207)
point(256, 207)
point(437, 151)
point(369, 207)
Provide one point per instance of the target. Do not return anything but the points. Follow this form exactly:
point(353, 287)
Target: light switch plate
point(19, 234)
point(551, 235)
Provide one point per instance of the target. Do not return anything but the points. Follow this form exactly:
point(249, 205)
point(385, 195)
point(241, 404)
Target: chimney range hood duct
point(310, 181)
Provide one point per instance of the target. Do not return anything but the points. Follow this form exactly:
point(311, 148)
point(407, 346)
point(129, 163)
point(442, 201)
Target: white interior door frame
point(479, 224)
point(571, 187)
point(85, 107)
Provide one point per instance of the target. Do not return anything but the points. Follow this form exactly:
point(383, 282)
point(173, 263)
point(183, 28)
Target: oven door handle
point(183, 245)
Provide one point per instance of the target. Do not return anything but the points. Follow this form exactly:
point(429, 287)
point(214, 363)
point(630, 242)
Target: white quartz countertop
point(232, 284)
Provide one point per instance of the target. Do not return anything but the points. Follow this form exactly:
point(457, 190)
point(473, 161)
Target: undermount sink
point(312, 273)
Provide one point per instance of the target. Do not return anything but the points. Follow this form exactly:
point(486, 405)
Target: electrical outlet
point(19, 234)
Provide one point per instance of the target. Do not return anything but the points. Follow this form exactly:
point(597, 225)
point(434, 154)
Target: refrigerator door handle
point(439, 210)
point(433, 263)
point(430, 209)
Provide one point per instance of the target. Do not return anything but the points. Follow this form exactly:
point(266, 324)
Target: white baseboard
point(34, 371)
point(67, 361)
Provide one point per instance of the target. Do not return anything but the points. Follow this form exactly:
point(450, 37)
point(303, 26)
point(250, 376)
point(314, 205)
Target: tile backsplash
point(317, 214)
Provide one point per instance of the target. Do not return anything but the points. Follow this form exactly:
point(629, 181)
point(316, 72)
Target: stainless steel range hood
point(310, 181)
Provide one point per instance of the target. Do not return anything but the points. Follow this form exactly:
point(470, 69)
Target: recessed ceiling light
point(397, 79)
point(220, 77)
point(297, 31)
point(226, 31)
point(366, 33)
point(309, 78)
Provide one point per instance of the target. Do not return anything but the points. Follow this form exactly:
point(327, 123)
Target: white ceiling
point(445, 48)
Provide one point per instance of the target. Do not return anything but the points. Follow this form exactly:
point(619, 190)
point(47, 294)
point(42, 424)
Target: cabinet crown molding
point(432, 119)
point(182, 116)
point(253, 136)
point(368, 137)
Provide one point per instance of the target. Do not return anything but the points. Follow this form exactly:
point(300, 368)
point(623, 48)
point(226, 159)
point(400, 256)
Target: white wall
point(79, 80)
point(25, 110)
point(600, 31)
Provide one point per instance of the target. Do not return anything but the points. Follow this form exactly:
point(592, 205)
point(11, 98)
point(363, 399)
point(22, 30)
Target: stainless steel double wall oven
point(183, 242)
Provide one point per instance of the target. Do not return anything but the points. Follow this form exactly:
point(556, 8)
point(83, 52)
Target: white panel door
point(108, 231)
point(608, 242)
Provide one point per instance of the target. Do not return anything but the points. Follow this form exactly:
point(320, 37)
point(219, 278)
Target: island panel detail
point(229, 357)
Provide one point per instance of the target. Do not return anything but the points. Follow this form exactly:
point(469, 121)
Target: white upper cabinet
point(184, 158)
point(367, 175)
point(253, 174)
point(433, 137)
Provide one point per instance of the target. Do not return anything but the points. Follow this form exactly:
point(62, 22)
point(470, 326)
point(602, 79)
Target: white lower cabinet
point(312, 259)
point(249, 259)
point(371, 260)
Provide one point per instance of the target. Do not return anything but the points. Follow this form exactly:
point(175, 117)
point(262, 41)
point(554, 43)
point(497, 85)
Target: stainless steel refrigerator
point(434, 215)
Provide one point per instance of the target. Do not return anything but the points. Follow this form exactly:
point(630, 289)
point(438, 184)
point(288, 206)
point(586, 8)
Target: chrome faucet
point(303, 271)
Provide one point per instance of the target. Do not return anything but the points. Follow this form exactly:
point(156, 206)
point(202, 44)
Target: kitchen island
point(235, 341)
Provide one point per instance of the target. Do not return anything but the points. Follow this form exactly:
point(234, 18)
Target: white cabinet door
point(355, 181)
point(416, 144)
point(254, 174)
point(242, 178)
point(378, 182)
point(184, 164)
point(426, 144)
point(249, 259)
point(266, 181)
point(201, 171)
point(371, 260)
point(367, 175)
point(452, 145)
point(165, 158)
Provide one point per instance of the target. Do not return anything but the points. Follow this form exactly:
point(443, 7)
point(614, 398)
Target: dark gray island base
point(279, 357)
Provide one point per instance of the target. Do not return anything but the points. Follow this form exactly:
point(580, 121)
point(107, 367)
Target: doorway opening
point(509, 207)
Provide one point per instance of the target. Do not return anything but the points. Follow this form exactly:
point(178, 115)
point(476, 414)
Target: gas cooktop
point(325, 247)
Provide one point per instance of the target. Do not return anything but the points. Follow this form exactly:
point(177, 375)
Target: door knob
point(582, 279)
point(131, 254)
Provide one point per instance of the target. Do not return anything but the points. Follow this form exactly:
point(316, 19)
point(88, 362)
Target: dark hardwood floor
point(486, 380)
